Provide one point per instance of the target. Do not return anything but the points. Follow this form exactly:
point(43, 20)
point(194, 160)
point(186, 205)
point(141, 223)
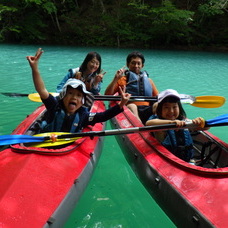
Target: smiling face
point(73, 100)
point(170, 111)
point(93, 65)
point(135, 65)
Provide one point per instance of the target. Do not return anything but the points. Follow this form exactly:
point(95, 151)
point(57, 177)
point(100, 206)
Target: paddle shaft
point(118, 98)
point(105, 97)
point(15, 94)
point(131, 130)
point(97, 97)
point(216, 122)
point(201, 101)
point(14, 139)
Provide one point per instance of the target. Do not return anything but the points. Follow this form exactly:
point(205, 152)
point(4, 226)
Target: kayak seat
point(208, 154)
point(207, 158)
point(35, 128)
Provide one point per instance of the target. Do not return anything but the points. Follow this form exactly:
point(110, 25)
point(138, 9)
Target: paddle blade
point(36, 97)
point(209, 101)
point(14, 139)
point(15, 94)
point(187, 99)
point(218, 121)
point(50, 143)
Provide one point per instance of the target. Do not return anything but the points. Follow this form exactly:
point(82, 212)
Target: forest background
point(165, 24)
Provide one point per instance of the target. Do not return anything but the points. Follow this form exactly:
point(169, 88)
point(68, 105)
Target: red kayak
point(41, 186)
point(191, 195)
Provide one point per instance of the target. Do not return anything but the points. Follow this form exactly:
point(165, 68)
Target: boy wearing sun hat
point(70, 112)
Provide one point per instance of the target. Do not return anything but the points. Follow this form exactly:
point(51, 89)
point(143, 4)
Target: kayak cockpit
point(210, 152)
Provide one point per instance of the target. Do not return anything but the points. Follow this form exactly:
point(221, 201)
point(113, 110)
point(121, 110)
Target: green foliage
point(37, 2)
point(49, 7)
point(122, 23)
point(5, 25)
point(164, 24)
point(210, 23)
point(211, 8)
point(171, 22)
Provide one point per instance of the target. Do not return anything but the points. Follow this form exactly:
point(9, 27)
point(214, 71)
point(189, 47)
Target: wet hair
point(171, 99)
point(88, 58)
point(135, 54)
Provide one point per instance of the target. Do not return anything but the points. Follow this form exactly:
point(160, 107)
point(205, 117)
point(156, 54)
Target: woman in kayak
point(169, 110)
point(70, 112)
point(89, 72)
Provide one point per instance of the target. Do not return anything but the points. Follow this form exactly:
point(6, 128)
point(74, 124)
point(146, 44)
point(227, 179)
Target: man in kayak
point(70, 112)
point(137, 83)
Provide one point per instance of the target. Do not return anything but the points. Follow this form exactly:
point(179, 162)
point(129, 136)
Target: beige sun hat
point(78, 84)
point(166, 93)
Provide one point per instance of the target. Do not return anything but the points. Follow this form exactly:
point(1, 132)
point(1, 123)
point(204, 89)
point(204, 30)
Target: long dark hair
point(171, 99)
point(88, 58)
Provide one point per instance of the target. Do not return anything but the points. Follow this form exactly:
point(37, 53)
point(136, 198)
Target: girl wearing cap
point(70, 112)
point(89, 72)
point(169, 110)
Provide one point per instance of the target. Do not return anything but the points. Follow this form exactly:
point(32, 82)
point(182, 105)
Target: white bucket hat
point(78, 84)
point(166, 93)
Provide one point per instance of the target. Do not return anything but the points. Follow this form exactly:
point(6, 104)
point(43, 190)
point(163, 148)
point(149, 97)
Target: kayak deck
point(191, 195)
point(40, 190)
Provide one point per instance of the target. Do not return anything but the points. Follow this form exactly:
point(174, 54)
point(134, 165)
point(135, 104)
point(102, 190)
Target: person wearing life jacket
point(179, 143)
point(169, 110)
point(70, 113)
point(137, 83)
point(89, 72)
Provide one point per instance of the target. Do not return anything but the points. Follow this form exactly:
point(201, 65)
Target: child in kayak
point(169, 110)
point(89, 72)
point(70, 112)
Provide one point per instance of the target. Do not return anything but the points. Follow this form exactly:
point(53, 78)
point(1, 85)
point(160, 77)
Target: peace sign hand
point(124, 96)
point(33, 60)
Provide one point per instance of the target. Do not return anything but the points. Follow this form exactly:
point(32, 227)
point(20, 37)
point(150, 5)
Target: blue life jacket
point(56, 124)
point(138, 85)
point(179, 143)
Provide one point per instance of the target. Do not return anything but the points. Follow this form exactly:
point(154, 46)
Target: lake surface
point(114, 197)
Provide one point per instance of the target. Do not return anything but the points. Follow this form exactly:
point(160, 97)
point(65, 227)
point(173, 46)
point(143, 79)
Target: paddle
point(184, 98)
point(50, 142)
point(15, 94)
point(14, 139)
point(44, 140)
point(200, 101)
point(209, 101)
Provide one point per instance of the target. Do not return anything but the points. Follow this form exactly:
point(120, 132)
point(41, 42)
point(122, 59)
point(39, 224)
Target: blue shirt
point(71, 73)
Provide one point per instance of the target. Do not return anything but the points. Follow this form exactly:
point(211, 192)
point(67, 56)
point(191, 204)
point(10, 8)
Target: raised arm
point(37, 79)
point(179, 123)
point(111, 88)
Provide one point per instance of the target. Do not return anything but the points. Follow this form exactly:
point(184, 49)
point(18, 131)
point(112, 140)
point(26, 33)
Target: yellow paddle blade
point(50, 143)
point(209, 101)
point(36, 97)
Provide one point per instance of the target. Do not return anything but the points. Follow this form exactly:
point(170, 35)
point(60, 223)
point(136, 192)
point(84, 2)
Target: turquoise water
point(114, 197)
